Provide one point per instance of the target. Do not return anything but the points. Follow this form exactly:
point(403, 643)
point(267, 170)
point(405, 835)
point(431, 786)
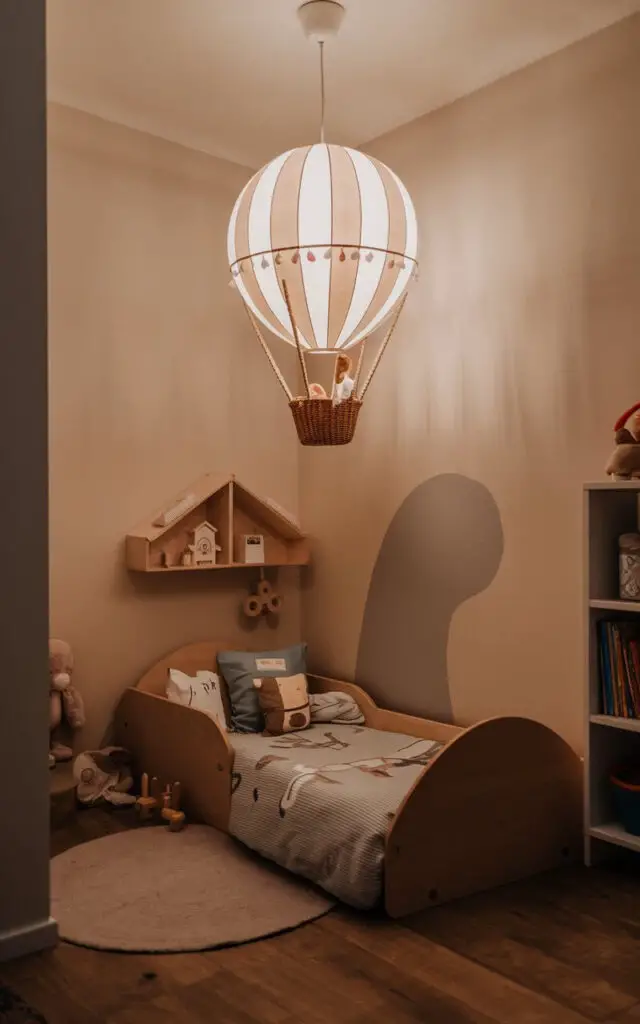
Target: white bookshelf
point(610, 509)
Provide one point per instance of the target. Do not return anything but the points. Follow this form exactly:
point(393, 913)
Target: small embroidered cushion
point(284, 702)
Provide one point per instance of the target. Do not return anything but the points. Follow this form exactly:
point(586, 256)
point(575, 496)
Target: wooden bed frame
point(500, 801)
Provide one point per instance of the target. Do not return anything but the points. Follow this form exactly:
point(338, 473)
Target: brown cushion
point(284, 702)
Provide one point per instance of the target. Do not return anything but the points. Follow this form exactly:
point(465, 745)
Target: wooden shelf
point(613, 485)
point(223, 565)
point(615, 834)
point(223, 510)
point(615, 605)
point(610, 509)
point(613, 722)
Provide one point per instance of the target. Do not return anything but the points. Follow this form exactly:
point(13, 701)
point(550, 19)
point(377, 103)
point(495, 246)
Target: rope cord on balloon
point(356, 379)
point(322, 98)
point(382, 348)
point(267, 351)
point(303, 365)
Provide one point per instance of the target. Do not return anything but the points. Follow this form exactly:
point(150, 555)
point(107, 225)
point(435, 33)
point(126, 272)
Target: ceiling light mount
point(321, 19)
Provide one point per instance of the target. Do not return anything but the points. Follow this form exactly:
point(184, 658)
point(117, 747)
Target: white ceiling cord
point(321, 19)
point(321, 45)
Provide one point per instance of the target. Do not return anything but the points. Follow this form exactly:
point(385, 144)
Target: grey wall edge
point(25, 924)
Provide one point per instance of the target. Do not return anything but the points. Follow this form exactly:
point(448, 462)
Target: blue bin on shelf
point(625, 787)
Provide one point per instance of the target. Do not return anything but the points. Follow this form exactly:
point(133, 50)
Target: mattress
point(320, 802)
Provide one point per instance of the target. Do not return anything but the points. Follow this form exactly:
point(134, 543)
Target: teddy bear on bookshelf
point(65, 703)
point(624, 462)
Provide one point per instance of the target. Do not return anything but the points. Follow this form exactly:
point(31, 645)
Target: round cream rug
point(149, 890)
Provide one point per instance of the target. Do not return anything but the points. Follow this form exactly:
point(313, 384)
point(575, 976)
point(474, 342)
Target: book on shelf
point(619, 655)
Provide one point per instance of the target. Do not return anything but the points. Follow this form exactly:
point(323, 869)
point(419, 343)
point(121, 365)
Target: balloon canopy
point(338, 228)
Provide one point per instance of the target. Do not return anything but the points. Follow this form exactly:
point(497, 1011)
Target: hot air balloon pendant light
point(322, 246)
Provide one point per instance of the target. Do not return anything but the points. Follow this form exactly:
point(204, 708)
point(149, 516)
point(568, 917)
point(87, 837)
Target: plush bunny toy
point(65, 703)
point(624, 462)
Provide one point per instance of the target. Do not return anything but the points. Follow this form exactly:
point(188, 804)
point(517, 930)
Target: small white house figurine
point(203, 548)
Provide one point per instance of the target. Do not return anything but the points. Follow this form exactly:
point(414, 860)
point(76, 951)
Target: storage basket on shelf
point(629, 566)
point(625, 787)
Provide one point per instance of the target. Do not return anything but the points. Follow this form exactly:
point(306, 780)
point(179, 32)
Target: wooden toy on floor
point(146, 804)
point(167, 802)
point(171, 812)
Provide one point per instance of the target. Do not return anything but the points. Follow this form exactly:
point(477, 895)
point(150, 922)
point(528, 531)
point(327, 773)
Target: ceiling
point(237, 78)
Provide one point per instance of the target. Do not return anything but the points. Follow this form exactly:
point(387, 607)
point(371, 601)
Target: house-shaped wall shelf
point(206, 526)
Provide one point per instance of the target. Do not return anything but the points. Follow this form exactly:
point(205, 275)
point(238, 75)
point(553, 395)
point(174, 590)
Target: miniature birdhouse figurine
point(204, 547)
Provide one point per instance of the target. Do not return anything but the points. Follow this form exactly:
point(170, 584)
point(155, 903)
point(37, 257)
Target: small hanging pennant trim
point(295, 257)
point(265, 263)
point(355, 255)
point(278, 259)
point(311, 256)
point(327, 254)
point(391, 264)
point(369, 257)
point(342, 256)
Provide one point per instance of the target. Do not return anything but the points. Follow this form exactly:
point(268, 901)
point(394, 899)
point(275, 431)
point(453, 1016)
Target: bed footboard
point(502, 801)
point(178, 743)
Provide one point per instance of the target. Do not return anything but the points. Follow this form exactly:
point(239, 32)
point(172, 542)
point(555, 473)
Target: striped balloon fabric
point(339, 228)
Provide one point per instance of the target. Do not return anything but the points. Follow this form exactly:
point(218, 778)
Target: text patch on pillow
point(284, 702)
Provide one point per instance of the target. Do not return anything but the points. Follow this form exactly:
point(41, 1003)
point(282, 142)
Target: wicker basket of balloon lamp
point(321, 422)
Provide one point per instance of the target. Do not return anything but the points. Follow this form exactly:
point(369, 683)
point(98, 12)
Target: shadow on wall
point(444, 545)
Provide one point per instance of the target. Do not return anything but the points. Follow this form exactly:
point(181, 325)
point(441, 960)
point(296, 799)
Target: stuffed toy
point(65, 703)
point(104, 775)
point(624, 462)
point(343, 385)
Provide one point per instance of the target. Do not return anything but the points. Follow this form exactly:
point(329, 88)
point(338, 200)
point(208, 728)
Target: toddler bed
point(398, 810)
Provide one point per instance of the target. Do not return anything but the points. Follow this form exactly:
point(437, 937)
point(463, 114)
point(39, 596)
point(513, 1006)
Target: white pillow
point(201, 691)
point(336, 707)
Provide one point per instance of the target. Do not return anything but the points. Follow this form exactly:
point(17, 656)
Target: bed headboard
point(188, 659)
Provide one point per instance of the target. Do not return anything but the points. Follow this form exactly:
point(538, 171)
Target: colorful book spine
point(619, 662)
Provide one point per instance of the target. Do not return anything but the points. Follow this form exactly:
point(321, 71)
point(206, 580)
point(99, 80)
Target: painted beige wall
point(155, 378)
point(517, 351)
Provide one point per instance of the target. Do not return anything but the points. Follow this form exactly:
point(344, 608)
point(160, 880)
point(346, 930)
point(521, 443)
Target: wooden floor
point(563, 948)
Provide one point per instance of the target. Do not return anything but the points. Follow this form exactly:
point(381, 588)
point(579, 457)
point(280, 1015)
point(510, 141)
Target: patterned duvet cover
point(320, 802)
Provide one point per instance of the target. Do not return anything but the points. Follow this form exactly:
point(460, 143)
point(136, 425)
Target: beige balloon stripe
point(248, 273)
point(346, 225)
point(396, 244)
point(284, 233)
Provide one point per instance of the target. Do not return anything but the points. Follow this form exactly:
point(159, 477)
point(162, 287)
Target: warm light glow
point(340, 228)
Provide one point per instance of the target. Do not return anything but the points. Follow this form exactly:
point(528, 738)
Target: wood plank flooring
point(563, 948)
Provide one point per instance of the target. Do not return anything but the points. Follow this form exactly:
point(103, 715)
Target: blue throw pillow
point(240, 668)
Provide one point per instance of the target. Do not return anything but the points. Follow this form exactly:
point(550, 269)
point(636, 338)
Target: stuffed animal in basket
point(104, 775)
point(343, 384)
point(65, 703)
point(624, 462)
